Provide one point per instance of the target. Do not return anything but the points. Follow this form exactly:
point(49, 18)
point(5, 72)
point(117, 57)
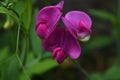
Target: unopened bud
point(9, 23)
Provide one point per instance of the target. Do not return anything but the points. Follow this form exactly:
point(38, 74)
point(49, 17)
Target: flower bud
point(9, 23)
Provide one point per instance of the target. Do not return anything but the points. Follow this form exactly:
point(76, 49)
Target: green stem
point(82, 70)
point(18, 58)
point(17, 43)
point(25, 49)
point(29, 9)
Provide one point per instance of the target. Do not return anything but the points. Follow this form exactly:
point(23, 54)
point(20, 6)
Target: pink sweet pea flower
point(79, 24)
point(62, 44)
point(47, 19)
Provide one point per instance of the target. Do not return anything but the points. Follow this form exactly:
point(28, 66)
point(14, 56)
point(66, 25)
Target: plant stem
point(25, 48)
point(82, 70)
point(29, 13)
point(18, 58)
point(17, 42)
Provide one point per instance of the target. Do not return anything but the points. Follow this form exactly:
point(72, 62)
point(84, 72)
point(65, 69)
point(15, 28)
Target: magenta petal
point(54, 52)
point(78, 23)
point(71, 46)
point(70, 27)
point(60, 5)
point(83, 30)
point(42, 30)
point(60, 57)
point(54, 40)
point(50, 16)
point(75, 16)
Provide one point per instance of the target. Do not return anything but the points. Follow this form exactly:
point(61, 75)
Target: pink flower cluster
point(62, 42)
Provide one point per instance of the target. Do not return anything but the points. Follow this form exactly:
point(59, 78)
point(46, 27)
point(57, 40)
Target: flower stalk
point(81, 69)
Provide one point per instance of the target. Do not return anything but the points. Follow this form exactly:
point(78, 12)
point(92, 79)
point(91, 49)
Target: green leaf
point(3, 66)
point(96, 76)
point(4, 10)
point(30, 57)
point(3, 53)
point(42, 67)
point(19, 8)
point(103, 15)
point(113, 73)
point(13, 70)
point(9, 69)
point(98, 42)
point(39, 67)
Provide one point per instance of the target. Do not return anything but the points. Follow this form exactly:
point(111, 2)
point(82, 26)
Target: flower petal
point(42, 30)
point(78, 23)
point(70, 27)
point(50, 16)
point(75, 16)
point(60, 5)
point(71, 46)
point(83, 30)
point(59, 55)
point(54, 40)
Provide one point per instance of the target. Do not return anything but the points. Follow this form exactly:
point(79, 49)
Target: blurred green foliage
point(33, 62)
